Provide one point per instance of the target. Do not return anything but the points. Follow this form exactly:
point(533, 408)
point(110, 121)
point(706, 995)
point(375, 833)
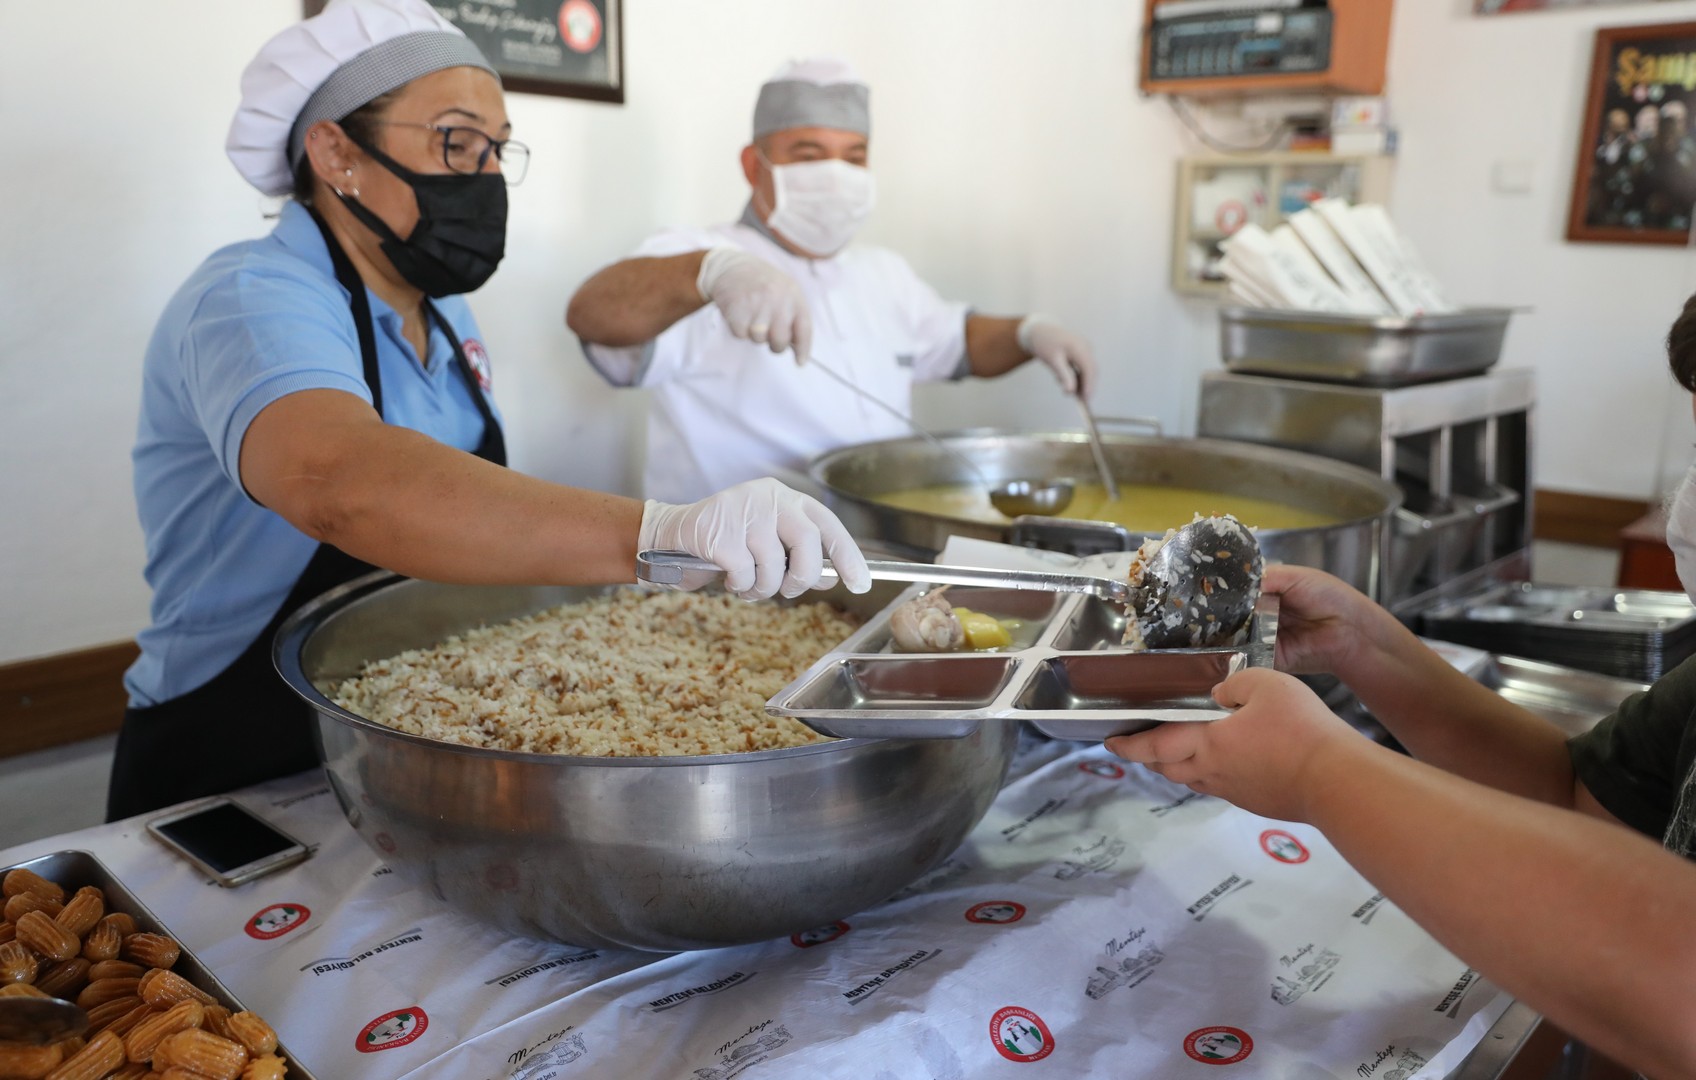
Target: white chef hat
point(822, 91)
point(326, 67)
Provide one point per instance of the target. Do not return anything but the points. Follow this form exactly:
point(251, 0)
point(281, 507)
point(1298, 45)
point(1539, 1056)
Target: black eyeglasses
point(465, 150)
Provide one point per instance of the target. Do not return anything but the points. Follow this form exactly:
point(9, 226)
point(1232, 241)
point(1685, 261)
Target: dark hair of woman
point(360, 126)
point(1681, 346)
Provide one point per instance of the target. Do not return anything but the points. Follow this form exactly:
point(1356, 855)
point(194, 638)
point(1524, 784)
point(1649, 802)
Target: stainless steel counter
point(1501, 1045)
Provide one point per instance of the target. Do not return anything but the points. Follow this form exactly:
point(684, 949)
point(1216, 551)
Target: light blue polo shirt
point(257, 321)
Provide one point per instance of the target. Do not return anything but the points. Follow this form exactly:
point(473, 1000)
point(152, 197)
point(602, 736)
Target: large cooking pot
point(644, 853)
point(1353, 549)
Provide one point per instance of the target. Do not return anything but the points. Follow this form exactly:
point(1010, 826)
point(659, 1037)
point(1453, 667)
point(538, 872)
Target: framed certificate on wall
point(1635, 182)
point(568, 48)
point(1504, 7)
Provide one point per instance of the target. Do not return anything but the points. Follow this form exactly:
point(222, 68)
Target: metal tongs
point(669, 568)
point(40, 1020)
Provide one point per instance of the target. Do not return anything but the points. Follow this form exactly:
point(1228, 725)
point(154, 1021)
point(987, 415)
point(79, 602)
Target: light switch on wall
point(1512, 177)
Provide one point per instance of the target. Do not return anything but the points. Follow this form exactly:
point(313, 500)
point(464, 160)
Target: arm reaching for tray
point(1443, 717)
point(1586, 922)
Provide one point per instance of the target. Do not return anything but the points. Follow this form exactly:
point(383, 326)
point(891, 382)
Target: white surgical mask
point(820, 205)
point(1681, 531)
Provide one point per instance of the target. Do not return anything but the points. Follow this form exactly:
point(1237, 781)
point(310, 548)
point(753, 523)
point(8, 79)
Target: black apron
point(246, 725)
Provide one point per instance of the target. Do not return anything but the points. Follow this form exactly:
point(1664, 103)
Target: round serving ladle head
point(1016, 498)
point(1046, 497)
point(1199, 589)
point(40, 1020)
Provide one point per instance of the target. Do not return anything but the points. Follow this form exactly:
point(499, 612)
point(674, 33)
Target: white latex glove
point(1066, 354)
point(769, 539)
point(760, 303)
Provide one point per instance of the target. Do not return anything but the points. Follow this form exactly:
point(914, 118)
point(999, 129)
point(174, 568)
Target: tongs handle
point(669, 568)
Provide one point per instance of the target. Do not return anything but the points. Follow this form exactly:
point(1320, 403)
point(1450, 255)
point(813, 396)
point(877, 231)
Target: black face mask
point(461, 231)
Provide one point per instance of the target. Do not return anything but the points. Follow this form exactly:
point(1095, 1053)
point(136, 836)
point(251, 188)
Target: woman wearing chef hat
point(316, 403)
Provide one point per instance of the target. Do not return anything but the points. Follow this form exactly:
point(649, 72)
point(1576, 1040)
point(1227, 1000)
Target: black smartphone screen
point(225, 837)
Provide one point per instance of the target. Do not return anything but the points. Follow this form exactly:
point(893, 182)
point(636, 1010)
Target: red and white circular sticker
point(391, 1030)
point(277, 920)
point(1218, 1045)
point(1107, 770)
point(1020, 1035)
point(818, 935)
point(580, 25)
point(478, 358)
point(1284, 847)
point(995, 911)
point(501, 877)
point(1231, 216)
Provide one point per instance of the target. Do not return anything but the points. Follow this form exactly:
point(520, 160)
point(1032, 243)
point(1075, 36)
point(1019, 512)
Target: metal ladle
point(1096, 449)
point(40, 1020)
point(1014, 498)
point(1199, 588)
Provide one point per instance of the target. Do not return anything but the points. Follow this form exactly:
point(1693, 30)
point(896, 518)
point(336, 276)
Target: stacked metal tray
point(1066, 672)
point(1366, 349)
point(1631, 634)
point(75, 869)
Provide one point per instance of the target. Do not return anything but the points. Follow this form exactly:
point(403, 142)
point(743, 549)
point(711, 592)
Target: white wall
point(1470, 92)
point(1017, 169)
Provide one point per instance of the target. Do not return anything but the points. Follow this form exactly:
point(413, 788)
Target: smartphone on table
point(228, 842)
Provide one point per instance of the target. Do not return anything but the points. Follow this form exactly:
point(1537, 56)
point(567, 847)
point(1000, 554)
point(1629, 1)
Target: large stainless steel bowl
point(645, 853)
point(1354, 548)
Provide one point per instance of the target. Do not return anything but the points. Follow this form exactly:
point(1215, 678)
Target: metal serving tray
point(1066, 672)
point(1629, 633)
point(1376, 351)
point(1570, 699)
point(75, 869)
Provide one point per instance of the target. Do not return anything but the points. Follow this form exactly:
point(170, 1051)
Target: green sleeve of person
point(1636, 760)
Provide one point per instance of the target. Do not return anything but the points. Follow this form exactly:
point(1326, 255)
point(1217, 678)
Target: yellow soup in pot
point(1141, 508)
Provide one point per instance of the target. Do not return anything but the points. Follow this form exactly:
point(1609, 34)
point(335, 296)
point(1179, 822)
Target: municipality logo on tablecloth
point(391, 1030)
point(1284, 847)
point(277, 920)
point(1020, 1035)
point(1218, 1045)
point(818, 935)
point(995, 911)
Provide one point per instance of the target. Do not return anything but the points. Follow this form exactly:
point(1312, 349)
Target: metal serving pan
point(1571, 700)
point(1066, 673)
point(1628, 633)
point(656, 853)
point(1360, 502)
point(1376, 351)
point(75, 869)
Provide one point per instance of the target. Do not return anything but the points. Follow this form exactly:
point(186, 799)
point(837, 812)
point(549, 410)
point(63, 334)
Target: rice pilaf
point(632, 674)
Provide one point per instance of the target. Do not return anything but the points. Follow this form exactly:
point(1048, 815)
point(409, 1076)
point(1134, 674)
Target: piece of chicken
point(926, 624)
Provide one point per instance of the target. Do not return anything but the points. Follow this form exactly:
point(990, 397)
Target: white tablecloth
point(1099, 922)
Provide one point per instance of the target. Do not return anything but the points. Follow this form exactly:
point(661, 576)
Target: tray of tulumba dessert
point(942, 659)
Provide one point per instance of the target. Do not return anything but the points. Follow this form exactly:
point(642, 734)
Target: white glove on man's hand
point(769, 539)
point(760, 302)
point(1066, 354)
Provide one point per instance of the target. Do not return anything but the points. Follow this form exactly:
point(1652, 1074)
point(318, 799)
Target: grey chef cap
point(820, 92)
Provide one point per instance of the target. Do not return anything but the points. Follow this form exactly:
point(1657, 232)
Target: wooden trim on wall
point(64, 698)
point(1576, 518)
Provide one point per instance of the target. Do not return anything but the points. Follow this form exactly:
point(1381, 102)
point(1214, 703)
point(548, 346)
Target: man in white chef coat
point(697, 313)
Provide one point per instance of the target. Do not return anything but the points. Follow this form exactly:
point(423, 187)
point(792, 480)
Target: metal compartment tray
point(75, 869)
point(1066, 672)
point(1628, 633)
point(1374, 350)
